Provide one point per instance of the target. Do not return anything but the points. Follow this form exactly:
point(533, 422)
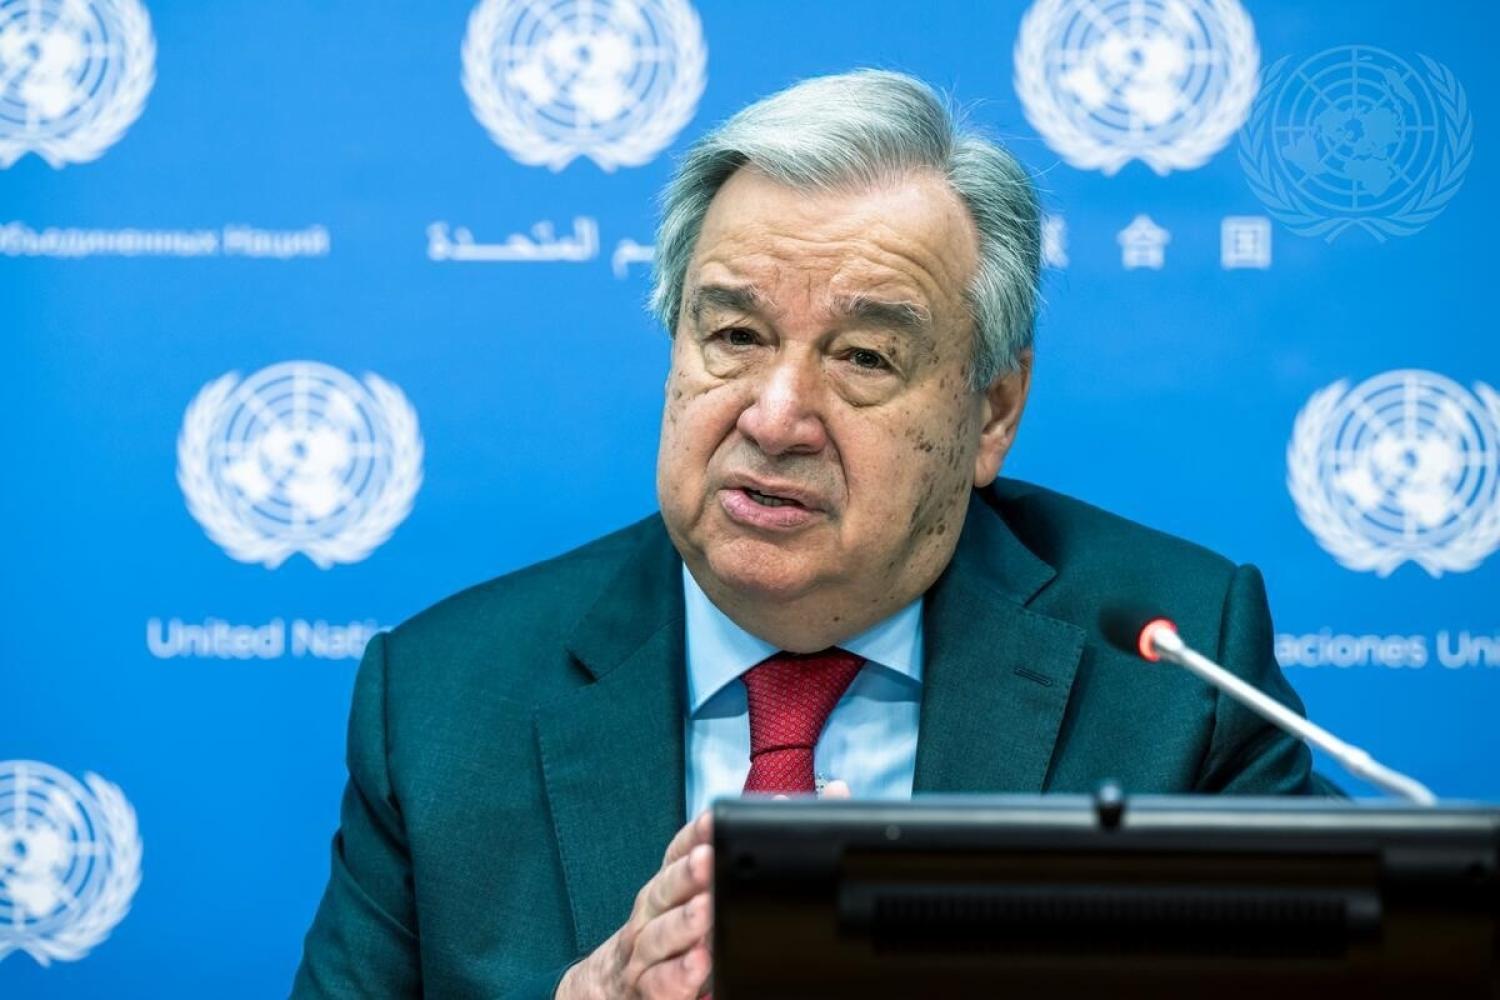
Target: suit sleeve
point(1248, 755)
point(363, 940)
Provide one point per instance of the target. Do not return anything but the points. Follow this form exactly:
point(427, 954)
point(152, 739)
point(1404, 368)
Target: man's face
point(819, 436)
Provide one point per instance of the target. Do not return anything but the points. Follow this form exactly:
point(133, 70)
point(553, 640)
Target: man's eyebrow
point(897, 317)
point(725, 298)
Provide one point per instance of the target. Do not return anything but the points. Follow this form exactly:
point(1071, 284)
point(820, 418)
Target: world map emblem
point(1404, 467)
point(1357, 138)
point(299, 457)
point(1166, 82)
point(70, 861)
point(74, 75)
point(612, 80)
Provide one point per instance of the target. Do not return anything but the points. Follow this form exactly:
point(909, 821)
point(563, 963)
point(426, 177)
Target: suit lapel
point(996, 674)
point(612, 753)
point(997, 677)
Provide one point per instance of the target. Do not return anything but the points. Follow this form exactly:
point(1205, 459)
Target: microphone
point(1157, 640)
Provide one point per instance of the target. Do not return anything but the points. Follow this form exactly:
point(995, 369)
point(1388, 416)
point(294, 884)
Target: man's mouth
point(767, 500)
point(791, 510)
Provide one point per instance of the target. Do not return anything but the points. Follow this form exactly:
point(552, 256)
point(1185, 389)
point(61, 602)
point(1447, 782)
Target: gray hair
point(858, 129)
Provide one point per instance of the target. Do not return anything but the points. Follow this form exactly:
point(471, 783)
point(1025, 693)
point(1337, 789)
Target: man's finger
point(682, 978)
point(679, 881)
point(674, 932)
point(836, 790)
point(699, 831)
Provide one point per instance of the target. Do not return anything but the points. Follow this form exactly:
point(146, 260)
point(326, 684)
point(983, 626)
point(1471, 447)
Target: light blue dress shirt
point(870, 740)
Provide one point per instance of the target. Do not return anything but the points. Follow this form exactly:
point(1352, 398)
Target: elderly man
point(837, 588)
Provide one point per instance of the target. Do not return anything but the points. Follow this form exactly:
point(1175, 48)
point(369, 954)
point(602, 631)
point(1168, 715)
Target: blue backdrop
point(432, 217)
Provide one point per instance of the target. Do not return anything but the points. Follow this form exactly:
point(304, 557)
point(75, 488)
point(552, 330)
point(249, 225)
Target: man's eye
point(863, 358)
point(738, 337)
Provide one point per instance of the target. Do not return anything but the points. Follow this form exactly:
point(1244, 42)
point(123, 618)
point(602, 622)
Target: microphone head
point(1146, 643)
point(1132, 629)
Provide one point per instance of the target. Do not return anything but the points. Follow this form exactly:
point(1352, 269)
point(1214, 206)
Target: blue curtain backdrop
point(301, 334)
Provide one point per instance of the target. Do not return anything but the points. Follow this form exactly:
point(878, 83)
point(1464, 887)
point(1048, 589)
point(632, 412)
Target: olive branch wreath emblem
point(114, 112)
point(242, 541)
point(1087, 151)
point(1302, 216)
point(1352, 548)
point(103, 910)
point(493, 101)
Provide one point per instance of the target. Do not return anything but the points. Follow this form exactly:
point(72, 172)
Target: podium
point(1105, 896)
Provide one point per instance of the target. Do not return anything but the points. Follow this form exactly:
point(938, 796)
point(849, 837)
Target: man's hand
point(662, 951)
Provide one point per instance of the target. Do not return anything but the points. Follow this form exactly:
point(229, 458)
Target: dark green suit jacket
point(516, 752)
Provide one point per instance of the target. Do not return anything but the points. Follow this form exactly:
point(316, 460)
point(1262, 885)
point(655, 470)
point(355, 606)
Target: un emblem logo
point(1403, 467)
point(74, 75)
point(613, 80)
point(1165, 82)
point(299, 457)
point(70, 861)
point(1356, 138)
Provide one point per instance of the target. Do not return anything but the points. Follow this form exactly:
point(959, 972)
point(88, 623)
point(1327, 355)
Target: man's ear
point(1001, 415)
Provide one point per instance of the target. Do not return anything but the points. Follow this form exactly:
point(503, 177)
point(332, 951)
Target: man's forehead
point(908, 243)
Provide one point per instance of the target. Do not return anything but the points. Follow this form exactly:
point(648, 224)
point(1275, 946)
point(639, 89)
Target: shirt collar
point(718, 650)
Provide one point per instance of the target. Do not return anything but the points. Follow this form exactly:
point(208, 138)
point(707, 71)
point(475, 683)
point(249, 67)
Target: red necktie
point(791, 696)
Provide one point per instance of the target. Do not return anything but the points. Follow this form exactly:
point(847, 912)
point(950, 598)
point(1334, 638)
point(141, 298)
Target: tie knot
point(792, 694)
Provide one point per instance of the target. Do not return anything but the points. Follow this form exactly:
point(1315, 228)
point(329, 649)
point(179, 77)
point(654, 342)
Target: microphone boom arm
point(1164, 641)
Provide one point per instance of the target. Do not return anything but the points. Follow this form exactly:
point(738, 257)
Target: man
point(836, 587)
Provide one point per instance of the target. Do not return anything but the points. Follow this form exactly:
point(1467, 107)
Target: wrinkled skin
point(822, 349)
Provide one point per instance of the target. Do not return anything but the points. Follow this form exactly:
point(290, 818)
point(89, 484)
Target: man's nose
point(786, 414)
